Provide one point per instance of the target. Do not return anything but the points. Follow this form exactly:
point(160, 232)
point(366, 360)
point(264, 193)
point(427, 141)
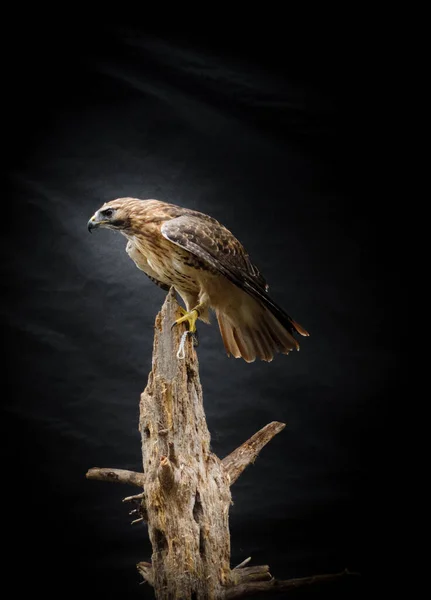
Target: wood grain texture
point(187, 491)
point(186, 488)
point(116, 476)
point(241, 457)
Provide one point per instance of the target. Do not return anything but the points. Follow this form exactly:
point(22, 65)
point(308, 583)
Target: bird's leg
point(189, 317)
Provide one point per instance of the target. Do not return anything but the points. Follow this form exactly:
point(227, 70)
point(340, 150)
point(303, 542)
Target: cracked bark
point(186, 488)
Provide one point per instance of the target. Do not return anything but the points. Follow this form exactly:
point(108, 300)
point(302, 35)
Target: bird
point(209, 269)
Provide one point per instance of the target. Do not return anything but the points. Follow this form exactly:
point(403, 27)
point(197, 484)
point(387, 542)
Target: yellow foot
point(188, 317)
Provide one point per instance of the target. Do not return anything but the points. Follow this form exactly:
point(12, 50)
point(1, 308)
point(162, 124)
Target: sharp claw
point(190, 319)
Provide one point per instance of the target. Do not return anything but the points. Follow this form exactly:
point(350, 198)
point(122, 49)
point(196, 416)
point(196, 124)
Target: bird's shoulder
point(204, 235)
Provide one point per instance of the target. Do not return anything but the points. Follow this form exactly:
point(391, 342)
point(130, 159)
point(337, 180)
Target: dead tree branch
point(249, 574)
point(239, 459)
point(186, 488)
point(146, 570)
point(116, 476)
point(276, 586)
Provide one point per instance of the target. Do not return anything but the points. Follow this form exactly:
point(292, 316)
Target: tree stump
point(186, 488)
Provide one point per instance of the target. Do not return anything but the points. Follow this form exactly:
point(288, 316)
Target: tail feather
point(264, 346)
point(281, 316)
point(283, 338)
point(252, 331)
point(245, 345)
point(227, 336)
point(299, 328)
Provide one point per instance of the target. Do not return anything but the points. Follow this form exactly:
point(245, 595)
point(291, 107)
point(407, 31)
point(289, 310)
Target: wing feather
point(217, 247)
point(209, 240)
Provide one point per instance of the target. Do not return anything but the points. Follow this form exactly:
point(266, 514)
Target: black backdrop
point(272, 142)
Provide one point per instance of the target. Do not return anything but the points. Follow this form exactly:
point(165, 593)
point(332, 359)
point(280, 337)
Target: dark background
point(273, 138)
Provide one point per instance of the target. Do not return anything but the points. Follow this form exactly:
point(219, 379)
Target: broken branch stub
point(186, 489)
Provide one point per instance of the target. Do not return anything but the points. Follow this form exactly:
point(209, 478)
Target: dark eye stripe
point(107, 212)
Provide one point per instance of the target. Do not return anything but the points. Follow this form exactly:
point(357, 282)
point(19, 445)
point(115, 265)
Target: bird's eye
point(108, 212)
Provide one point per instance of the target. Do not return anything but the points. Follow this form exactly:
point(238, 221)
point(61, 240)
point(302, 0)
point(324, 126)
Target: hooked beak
point(94, 222)
point(91, 224)
point(99, 219)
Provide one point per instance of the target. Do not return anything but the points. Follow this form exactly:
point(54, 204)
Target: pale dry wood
point(146, 570)
point(276, 586)
point(243, 563)
point(135, 498)
point(116, 476)
point(186, 488)
point(248, 574)
point(239, 459)
point(187, 491)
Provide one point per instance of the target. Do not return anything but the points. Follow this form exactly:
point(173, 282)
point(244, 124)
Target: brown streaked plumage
point(208, 267)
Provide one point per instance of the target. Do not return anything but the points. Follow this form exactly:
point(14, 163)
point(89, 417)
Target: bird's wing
point(164, 286)
point(216, 246)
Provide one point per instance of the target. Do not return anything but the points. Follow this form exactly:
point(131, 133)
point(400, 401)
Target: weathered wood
point(248, 574)
point(243, 563)
point(187, 491)
point(186, 488)
point(136, 498)
point(146, 570)
point(116, 476)
point(276, 586)
point(239, 459)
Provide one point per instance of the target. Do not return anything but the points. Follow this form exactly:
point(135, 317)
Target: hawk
point(209, 268)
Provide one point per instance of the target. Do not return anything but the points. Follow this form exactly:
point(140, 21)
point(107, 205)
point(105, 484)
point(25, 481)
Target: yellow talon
point(189, 317)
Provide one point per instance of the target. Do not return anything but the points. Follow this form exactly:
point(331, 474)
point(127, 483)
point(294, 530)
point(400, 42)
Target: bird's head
point(113, 215)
